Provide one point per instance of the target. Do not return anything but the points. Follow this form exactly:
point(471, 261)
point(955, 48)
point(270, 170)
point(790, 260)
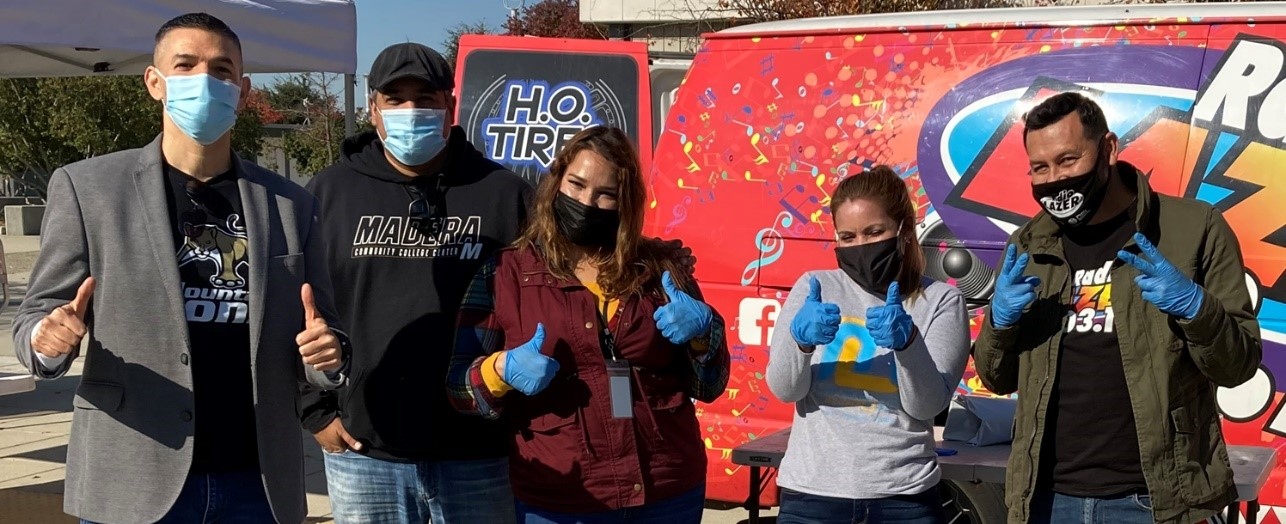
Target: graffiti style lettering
point(1247, 71)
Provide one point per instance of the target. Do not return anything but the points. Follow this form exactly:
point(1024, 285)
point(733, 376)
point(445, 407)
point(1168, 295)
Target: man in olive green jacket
point(1116, 415)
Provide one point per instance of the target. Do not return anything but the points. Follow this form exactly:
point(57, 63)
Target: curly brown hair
point(635, 262)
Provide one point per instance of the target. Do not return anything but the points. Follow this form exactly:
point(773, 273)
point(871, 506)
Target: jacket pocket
point(101, 396)
point(1201, 460)
point(550, 423)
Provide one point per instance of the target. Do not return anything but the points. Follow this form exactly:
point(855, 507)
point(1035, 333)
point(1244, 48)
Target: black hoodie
point(398, 284)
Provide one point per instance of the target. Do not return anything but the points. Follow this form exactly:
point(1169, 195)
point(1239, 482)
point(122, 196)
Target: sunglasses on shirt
point(198, 194)
point(419, 208)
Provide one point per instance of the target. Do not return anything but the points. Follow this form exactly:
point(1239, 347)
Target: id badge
point(618, 382)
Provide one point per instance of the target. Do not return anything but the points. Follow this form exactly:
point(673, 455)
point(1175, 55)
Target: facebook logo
point(755, 320)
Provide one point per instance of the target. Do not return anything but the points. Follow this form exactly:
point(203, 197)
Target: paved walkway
point(34, 429)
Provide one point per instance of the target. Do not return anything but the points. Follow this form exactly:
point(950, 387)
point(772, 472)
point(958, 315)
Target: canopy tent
point(85, 37)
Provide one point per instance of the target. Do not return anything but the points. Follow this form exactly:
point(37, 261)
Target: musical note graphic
point(750, 130)
point(793, 208)
point(774, 87)
point(821, 181)
point(681, 186)
point(754, 143)
point(693, 167)
point(708, 98)
point(736, 88)
point(732, 393)
point(770, 245)
point(680, 214)
point(766, 65)
point(752, 179)
point(794, 166)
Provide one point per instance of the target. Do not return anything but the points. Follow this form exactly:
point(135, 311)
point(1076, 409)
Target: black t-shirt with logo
point(1091, 447)
point(214, 269)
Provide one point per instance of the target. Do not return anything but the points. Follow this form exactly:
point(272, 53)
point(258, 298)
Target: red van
point(771, 116)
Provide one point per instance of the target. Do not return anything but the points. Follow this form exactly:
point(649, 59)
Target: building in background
point(668, 26)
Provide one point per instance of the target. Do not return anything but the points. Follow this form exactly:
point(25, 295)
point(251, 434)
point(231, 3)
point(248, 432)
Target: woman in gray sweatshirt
point(874, 352)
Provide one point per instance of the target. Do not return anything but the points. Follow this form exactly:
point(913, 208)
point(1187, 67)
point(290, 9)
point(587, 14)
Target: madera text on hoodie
point(400, 268)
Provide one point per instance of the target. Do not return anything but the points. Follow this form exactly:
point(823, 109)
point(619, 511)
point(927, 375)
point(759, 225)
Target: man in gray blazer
point(201, 284)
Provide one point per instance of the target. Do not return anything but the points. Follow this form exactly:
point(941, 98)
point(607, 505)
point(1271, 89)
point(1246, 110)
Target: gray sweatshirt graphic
point(863, 424)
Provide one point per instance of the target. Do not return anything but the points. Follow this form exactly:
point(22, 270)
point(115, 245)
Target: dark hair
point(1057, 107)
point(203, 21)
point(884, 187)
point(634, 261)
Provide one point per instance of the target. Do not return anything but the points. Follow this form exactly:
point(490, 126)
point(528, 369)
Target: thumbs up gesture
point(526, 368)
point(683, 318)
point(318, 345)
point(889, 324)
point(61, 331)
point(816, 322)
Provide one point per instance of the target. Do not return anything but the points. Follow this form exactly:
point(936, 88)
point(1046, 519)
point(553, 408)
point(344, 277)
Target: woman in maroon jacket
point(591, 341)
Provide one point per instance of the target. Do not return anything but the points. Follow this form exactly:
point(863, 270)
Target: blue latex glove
point(526, 369)
point(816, 322)
point(889, 324)
point(1162, 283)
point(1014, 292)
point(684, 318)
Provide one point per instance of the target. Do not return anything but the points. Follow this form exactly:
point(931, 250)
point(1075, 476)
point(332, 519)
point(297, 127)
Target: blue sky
point(381, 23)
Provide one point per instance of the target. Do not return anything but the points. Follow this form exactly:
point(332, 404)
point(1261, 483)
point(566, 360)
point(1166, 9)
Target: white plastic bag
point(981, 421)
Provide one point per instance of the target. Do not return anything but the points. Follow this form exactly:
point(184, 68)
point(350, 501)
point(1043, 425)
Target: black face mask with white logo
point(873, 266)
point(1072, 202)
point(584, 225)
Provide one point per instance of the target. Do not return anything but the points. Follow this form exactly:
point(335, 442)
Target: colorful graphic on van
point(765, 127)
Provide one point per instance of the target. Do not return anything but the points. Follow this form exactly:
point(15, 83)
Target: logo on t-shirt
point(217, 251)
point(1091, 308)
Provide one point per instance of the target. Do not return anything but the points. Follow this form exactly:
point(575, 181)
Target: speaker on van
point(947, 259)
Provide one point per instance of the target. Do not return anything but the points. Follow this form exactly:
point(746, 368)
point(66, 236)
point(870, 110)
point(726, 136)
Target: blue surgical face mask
point(204, 107)
point(414, 136)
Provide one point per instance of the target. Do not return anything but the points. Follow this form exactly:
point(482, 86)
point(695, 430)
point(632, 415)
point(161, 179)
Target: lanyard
point(605, 339)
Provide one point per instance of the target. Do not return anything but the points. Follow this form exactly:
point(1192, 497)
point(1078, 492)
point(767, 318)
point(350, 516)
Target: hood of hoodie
point(364, 153)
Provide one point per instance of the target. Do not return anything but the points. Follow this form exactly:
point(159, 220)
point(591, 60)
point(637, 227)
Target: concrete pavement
point(35, 426)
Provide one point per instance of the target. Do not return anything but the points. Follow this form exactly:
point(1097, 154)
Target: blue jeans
point(1049, 507)
point(683, 509)
point(226, 498)
point(367, 490)
point(802, 508)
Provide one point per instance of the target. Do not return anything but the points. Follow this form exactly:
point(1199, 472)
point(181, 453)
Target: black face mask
point(873, 266)
point(1072, 202)
point(585, 225)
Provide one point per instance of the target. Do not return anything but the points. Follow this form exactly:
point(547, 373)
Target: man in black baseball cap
point(411, 60)
point(408, 216)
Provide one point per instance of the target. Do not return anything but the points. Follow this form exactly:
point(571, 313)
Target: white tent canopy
point(83, 37)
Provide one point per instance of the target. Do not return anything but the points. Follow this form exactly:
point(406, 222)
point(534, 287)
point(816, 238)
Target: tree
point(46, 123)
point(451, 45)
point(308, 101)
point(553, 18)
